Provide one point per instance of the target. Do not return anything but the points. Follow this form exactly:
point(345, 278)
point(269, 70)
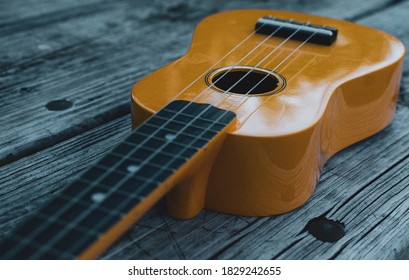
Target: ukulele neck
point(90, 214)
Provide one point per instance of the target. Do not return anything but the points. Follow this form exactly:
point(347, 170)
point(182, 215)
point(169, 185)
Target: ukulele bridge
point(300, 31)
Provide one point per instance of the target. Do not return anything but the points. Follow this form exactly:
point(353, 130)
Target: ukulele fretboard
point(106, 192)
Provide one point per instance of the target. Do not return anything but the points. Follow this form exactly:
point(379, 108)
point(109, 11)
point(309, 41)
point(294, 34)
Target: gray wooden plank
point(364, 169)
point(363, 186)
point(11, 11)
point(92, 62)
point(377, 245)
point(16, 17)
point(29, 182)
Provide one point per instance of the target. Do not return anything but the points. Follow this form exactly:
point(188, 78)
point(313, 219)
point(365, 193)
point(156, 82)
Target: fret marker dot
point(98, 197)
point(132, 168)
point(170, 137)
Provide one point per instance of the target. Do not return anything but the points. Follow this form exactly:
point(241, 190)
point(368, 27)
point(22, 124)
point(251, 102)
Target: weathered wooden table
point(66, 69)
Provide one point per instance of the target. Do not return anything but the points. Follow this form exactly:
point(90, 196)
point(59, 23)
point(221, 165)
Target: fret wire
point(138, 161)
point(25, 241)
point(186, 112)
point(51, 220)
point(37, 234)
point(137, 176)
point(33, 243)
point(82, 203)
point(165, 145)
point(140, 144)
point(70, 225)
point(44, 247)
point(119, 175)
point(190, 116)
point(181, 113)
point(192, 102)
point(200, 128)
point(210, 67)
point(136, 173)
point(77, 201)
point(170, 130)
point(99, 223)
point(180, 122)
point(151, 149)
point(76, 248)
point(117, 210)
point(113, 216)
point(108, 211)
point(22, 243)
point(126, 201)
point(163, 130)
point(145, 183)
point(119, 191)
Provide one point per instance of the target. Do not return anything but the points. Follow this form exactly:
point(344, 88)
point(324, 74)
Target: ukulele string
point(231, 68)
point(270, 72)
point(206, 89)
point(90, 209)
point(205, 130)
point(273, 95)
point(217, 62)
point(123, 247)
point(80, 217)
point(227, 92)
point(285, 59)
point(228, 71)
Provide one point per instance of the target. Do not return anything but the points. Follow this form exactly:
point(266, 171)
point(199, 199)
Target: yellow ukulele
point(243, 124)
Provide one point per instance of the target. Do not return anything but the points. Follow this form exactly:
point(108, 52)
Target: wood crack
point(376, 178)
point(172, 236)
point(292, 244)
point(229, 245)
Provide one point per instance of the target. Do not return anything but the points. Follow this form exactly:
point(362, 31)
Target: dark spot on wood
point(25, 90)
point(5, 65)
point(59, 105)
point(55, 36)
point(325, 229)
point(57, 26)
point(93, 98)
point(177, 12)
point(178, 8)
point(111, 24)
point(8, 158)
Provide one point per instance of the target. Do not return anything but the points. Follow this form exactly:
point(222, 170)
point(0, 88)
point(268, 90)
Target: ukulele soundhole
point(245, 80)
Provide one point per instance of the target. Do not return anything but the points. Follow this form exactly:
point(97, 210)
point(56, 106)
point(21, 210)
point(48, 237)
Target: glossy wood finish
point(363, 186)
point(335, 96)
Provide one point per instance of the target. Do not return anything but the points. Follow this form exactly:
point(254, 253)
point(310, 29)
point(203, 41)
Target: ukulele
point(243, 123)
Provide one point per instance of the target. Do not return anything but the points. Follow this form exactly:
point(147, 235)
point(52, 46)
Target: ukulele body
point(331, 97)
point(257, 150)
